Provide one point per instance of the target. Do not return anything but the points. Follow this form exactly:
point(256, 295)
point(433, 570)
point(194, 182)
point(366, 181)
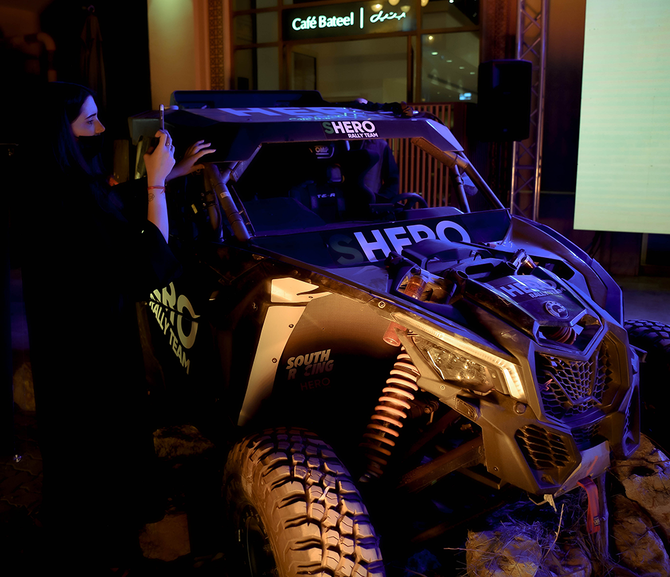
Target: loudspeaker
point(503, 100)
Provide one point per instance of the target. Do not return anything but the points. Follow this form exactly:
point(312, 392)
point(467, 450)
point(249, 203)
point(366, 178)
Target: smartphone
point(153, 142)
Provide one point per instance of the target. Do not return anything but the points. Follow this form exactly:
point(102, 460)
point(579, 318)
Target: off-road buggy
point(339, 337)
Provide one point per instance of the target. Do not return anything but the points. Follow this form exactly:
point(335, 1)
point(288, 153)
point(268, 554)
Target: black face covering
point(91, 148)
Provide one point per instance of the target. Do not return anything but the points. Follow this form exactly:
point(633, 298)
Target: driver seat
point(323, 194)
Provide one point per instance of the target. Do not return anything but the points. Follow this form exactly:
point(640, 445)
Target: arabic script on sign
point(381, 16)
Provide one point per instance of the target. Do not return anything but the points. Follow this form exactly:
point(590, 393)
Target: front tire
point(295, 510)
point(654, 338)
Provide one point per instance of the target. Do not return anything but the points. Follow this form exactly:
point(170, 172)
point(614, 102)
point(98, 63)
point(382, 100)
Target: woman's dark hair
point(60, 105)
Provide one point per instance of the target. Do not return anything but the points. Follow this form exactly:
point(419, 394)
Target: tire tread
point(310, 507)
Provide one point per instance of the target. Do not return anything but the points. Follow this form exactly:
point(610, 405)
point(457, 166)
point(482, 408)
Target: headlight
point(464, 363)
point(457, 369)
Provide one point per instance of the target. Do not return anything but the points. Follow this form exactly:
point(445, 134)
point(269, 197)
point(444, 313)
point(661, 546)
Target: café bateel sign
point(351, 19)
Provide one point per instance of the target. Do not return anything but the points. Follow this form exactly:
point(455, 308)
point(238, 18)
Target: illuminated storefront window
point(257, 69)
point(449, 14)
point(256, 28)
point(449, 67)
point(382, 50)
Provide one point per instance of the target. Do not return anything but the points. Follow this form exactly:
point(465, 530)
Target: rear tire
point(654, 338)
point(295, 510)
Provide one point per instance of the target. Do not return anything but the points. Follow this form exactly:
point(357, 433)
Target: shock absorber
point(386, 422)
point(566, 335)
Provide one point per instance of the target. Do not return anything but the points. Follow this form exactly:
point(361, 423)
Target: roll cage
point(309, 155)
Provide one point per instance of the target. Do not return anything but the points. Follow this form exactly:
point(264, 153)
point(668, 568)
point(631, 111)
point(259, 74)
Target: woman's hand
point(193, 154)
point(160, 161)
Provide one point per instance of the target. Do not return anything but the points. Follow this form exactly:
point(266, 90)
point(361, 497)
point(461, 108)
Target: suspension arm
point(467, 455)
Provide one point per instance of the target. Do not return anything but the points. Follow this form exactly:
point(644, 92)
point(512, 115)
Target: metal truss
point(531, 37)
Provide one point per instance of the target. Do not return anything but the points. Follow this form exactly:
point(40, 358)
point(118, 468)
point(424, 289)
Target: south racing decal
point(311, 369)
point(175, 316)
point(289, 298)
point(373, 244)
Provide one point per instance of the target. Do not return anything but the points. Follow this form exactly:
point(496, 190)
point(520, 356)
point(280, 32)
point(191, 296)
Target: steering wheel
point(407, 200)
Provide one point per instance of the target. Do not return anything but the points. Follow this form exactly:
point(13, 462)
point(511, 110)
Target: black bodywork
point(308, 299)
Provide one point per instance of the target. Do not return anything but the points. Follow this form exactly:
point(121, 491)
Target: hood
point(508, 284)
point(454, 265)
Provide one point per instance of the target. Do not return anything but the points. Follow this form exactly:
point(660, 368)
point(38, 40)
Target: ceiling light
point(393, 2)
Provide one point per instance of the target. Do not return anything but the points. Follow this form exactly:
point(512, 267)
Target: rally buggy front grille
point(570, 388)
point(588, 436)
point(542, 448)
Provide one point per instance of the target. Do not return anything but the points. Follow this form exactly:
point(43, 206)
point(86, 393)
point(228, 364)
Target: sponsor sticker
point(350, 129)
point(376, 243)
point(310, 369)
point(526, 288)
point(556, 310)
point(177, 320)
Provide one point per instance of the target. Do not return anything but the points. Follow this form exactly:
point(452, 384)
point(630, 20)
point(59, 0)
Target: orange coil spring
point(566, 335)
point(387, 420)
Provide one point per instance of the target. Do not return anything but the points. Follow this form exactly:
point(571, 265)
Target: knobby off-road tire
point(654, 338)
point(295, 510)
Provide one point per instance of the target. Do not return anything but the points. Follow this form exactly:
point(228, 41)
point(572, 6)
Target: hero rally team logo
point(175, 316)
point(351, 128)
point(375, 244)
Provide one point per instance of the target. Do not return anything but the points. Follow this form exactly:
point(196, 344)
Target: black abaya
point(90, 255)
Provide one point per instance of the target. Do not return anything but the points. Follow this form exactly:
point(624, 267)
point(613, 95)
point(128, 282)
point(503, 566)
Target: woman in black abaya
point(90, 252)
